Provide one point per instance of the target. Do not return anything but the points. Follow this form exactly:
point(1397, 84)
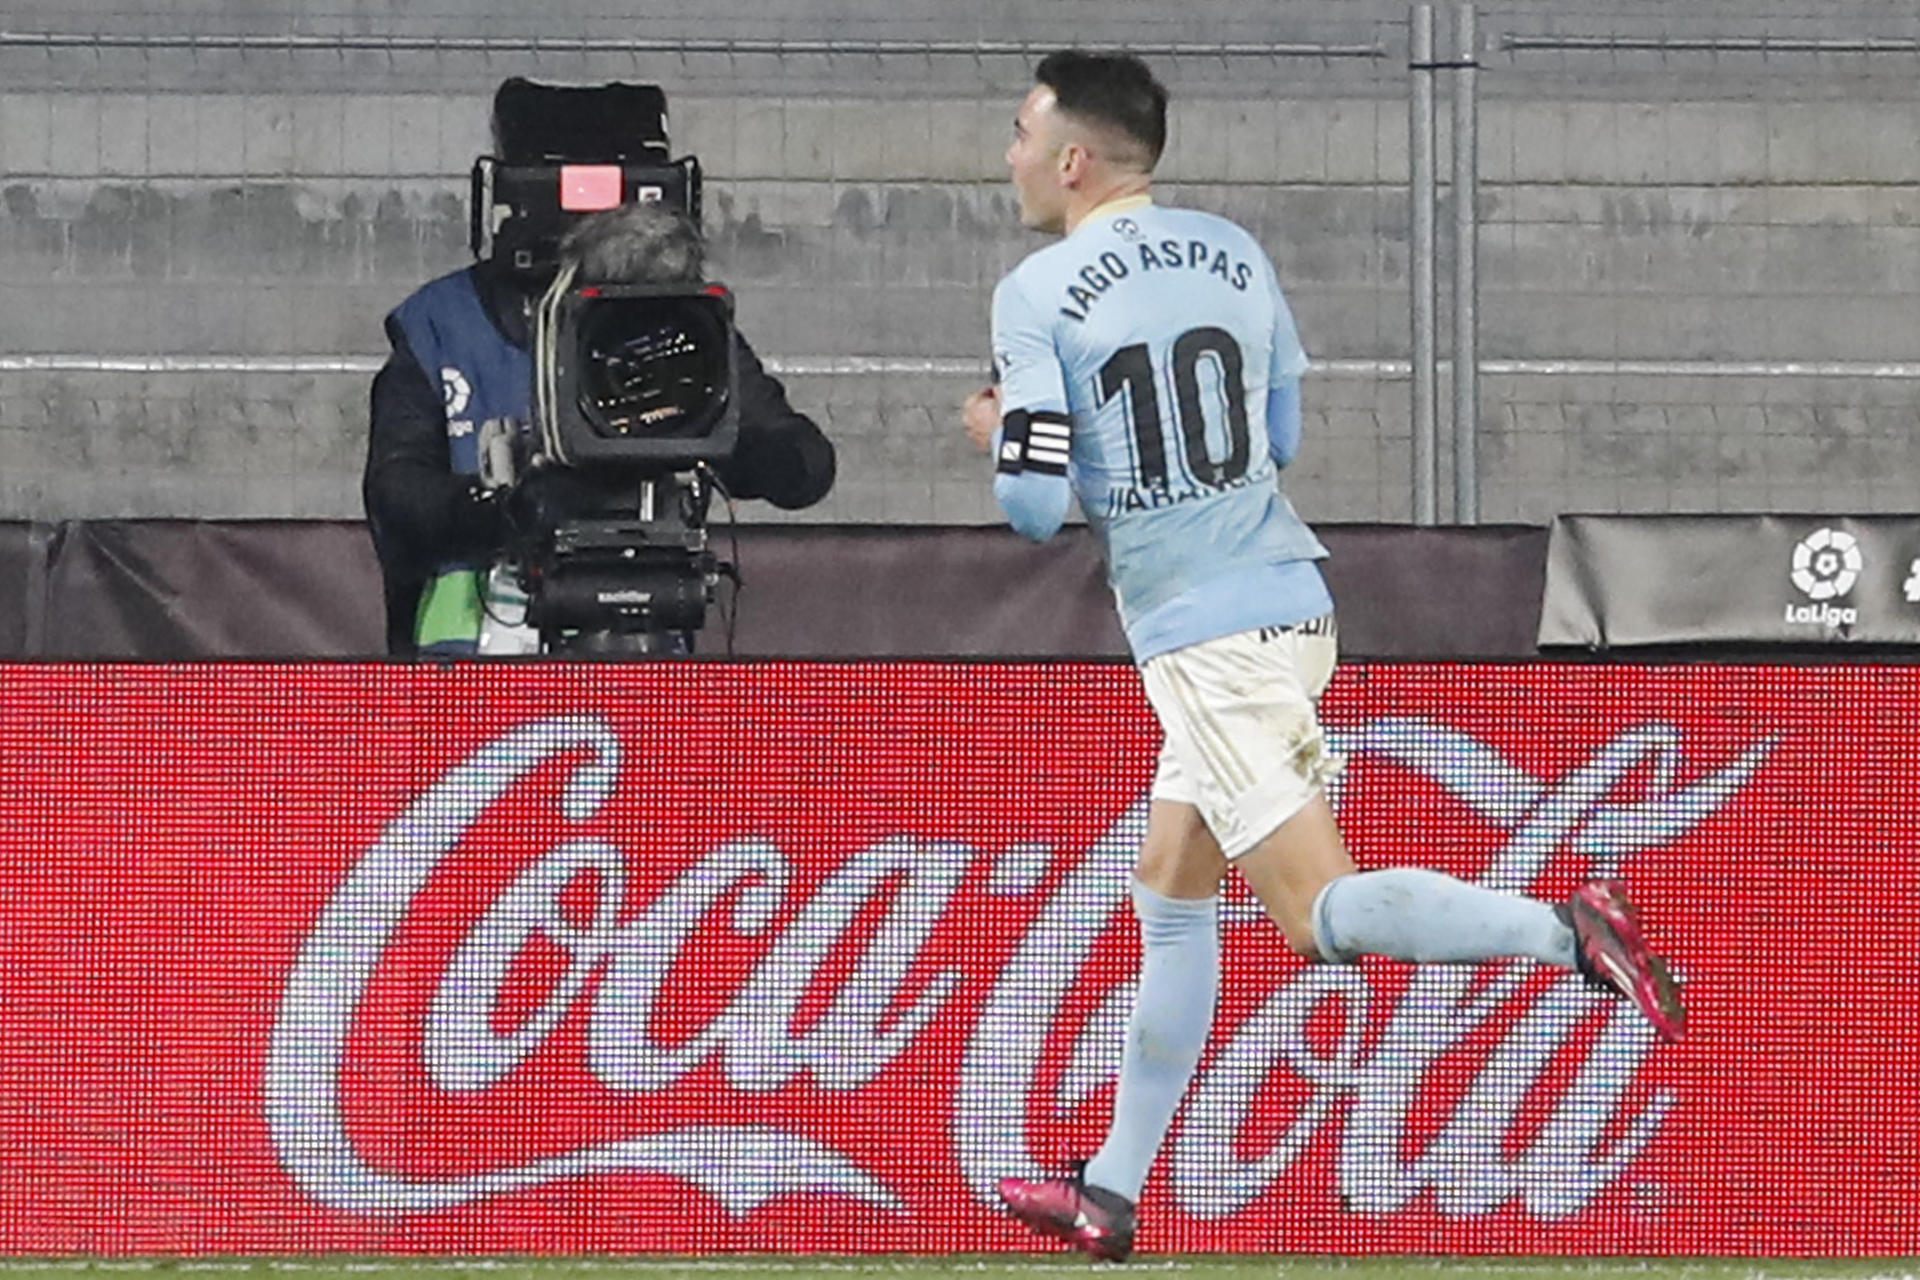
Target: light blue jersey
point(1149, 366)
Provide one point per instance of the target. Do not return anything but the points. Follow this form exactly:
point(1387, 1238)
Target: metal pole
point(1764, 45)
point(1466, 271)
point(1420, 249)
point(396, 43)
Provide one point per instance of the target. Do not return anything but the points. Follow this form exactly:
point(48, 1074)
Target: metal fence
point(1698, 268)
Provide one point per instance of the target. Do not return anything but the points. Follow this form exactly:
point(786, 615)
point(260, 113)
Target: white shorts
point(1243, 741)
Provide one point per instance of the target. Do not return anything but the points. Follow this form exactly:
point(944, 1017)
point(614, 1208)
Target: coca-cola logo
point(619, 956)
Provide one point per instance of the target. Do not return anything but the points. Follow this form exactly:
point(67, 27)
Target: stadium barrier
point(1768, 586)
point(185, 590)
point(729, 957)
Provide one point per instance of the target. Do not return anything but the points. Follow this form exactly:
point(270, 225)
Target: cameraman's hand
point(981, 417)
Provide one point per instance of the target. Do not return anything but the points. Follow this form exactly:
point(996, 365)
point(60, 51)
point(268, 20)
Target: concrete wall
point(1742, 213)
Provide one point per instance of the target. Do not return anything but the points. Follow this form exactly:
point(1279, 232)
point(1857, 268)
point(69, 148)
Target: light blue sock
point(1409, 914)
point(1172, 1017)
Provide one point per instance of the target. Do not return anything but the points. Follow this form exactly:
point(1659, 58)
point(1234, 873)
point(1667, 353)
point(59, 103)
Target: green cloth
point(449, 610)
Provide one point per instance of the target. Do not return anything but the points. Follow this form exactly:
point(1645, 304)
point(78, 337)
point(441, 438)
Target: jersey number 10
point(1130, 369)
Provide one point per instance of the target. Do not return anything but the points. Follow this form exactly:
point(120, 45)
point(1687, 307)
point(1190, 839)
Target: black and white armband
point(1035, 441)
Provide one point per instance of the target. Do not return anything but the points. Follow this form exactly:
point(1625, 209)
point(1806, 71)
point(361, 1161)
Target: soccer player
point(1148, 364)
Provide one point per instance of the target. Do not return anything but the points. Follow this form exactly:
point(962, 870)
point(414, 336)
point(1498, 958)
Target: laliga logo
point(1826, 564)
point(1366, 1084)
point(455, 391)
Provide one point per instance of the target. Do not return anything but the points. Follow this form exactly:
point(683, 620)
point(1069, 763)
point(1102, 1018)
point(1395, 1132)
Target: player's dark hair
point(1112, 90)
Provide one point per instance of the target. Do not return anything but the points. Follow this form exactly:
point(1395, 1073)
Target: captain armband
point(1035, 441)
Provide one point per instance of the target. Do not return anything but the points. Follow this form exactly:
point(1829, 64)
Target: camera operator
point(461, 370)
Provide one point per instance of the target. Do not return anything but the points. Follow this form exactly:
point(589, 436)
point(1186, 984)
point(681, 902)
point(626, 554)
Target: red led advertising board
point(807, 956)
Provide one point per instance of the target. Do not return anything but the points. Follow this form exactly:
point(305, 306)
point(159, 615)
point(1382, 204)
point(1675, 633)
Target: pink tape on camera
point(587, 188)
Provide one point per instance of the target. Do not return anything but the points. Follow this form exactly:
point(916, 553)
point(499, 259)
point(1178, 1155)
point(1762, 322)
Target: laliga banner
point(789, 957)
point(1617, 581)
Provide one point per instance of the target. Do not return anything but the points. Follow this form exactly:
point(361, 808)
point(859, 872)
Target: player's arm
point(1286, 363)
point(1035, 436)
point(1283, 420)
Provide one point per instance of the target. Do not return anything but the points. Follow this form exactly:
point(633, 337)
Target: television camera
point(635, 393)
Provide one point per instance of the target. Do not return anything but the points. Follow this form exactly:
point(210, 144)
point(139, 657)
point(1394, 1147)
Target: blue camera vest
point(483, 378)
point(482, 375)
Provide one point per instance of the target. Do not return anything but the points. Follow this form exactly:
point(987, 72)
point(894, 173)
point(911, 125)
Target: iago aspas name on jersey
point(1098, 276)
